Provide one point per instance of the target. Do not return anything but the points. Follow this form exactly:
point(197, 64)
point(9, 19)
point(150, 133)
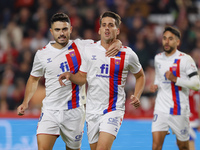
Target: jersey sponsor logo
point(184, 131)
point(193, 67)
point(78, 137)
point(43, 48)
point(49, 60)
point(94, 57)
point(64, 66)
point(159, 66)
point(113, 121)
point(104, 68)
point(181, 54)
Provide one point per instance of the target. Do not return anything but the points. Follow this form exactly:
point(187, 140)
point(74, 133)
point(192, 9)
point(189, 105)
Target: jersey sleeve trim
point(193, 74)
point(83, 72)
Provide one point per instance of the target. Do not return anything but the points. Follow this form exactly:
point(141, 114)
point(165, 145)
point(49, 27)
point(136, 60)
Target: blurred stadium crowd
point(24, 28)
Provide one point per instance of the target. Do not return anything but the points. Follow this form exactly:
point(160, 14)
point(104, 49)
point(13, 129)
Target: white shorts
point(193, 129)
point(109, 122)
point(67, 123)
point(178, 123)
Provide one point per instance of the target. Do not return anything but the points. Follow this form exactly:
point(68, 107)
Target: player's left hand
point(114, 48)
point(169, 75)
point(135, 101)
point(63, 76)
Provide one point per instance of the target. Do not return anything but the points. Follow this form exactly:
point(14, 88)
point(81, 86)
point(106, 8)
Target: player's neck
point(106, 44)
point(59, 46)
point(171, 53)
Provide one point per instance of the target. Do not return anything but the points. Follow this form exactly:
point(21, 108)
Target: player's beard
point(168, 51)
point(63, 43)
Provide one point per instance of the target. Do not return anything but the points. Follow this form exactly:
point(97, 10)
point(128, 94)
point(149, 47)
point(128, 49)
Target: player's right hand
point(21, 109)
point(135, 101)
point(153, 88)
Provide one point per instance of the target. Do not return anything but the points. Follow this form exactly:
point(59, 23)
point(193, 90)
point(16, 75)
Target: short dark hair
point(173, 30)
point(60, 17)
point(112, 15)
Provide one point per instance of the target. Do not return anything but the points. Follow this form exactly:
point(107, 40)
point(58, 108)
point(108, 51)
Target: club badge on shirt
point(71, 52)
point(117, 60)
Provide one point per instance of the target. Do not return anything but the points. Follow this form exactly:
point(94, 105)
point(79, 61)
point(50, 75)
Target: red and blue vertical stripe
point(175, 89)
point(74, 62)
point(116, 69)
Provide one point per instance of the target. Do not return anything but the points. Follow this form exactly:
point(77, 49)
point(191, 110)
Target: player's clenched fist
point(21, 109)
point(153, 88)
point(135, 101)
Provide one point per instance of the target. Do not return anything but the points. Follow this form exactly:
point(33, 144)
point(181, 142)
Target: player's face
point(61, 32)
point(170, 42)
point(108, 30)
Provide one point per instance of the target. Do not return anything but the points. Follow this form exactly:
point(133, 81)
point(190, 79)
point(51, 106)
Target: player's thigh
point(191, 145)
point(92, 122)
point(183, 145)
point(93, 146)
point(158, 138)
point(49, 123)
point(67, 148)
point(46, 141)
point(105, 141)
point(180, 126)
point(160, 122)
point(111, 122)
point(159, 129)
point(193, 129)
point(71, 129)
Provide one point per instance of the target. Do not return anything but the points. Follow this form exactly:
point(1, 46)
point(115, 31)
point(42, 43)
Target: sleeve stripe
point(192, 74)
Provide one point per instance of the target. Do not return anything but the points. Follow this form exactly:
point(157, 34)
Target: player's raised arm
point(114, 48)
point(78, 78)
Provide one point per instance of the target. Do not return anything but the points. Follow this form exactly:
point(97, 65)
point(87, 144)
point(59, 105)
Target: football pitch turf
point(136, 135)
point(20, 134)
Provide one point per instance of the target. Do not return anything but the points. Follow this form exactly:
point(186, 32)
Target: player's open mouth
point(107, 33)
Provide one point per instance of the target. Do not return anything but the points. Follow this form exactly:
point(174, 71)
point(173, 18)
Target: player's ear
point(99, 31)
point(178, 41)
point(71, 29)
point(118, 31)
point(51, 31)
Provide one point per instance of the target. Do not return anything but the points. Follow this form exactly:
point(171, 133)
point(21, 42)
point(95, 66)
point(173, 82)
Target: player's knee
point(183, 145)
point(156, 146)
point(103, 147)
point(43, 148)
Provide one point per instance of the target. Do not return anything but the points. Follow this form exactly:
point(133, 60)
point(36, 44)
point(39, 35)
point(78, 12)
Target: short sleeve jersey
point(173, 99)
point(52, 62)
point(106, 77)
